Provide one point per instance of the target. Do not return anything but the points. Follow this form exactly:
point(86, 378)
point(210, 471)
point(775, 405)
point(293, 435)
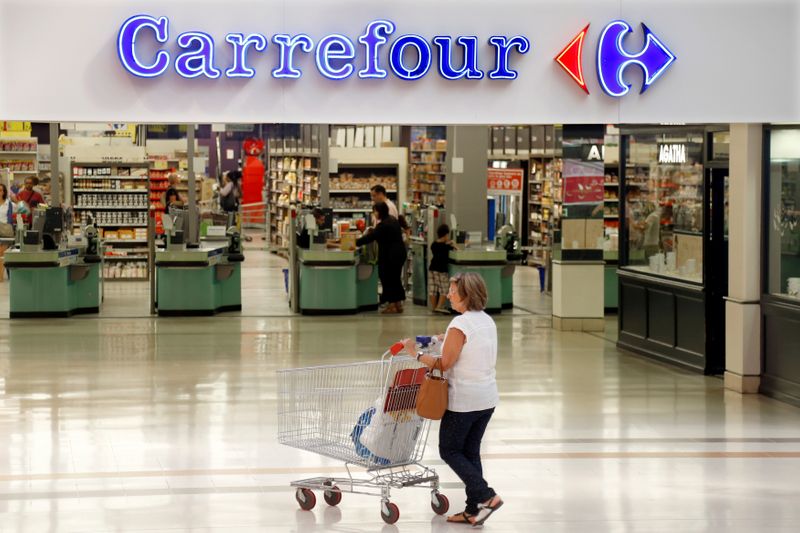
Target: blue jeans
point(460, 436)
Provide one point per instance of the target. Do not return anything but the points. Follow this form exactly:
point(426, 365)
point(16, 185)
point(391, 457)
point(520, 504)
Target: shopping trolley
point(364, 415)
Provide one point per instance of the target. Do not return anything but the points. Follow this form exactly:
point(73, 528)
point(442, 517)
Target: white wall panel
point(737, 62)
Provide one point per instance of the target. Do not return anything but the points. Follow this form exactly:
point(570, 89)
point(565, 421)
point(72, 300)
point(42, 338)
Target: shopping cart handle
point(397, 348)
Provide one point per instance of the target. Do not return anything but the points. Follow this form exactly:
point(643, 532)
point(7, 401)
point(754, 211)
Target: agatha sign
point(144, 43)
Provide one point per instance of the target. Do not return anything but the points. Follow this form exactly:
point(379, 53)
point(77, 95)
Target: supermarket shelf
point(114, 177)
point(126, 241)
point(294, 154)
point(611, 184)
point(120, 225)
point(13, 152)
point(115, 208)
point(124, 279)
point(24, 171)
point(124, 191)
point(125, 257)
point(353, 191)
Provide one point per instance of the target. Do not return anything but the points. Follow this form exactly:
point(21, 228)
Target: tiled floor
point(143, 424)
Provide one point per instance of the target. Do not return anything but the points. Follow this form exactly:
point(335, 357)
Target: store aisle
point(169, 424)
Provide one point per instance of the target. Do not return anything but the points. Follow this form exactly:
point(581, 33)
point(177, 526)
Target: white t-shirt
point(472, 379)
point(4, 208)
point(392, 208)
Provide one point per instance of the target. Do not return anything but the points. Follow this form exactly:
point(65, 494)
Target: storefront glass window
point(784, 214)
point(664, 204)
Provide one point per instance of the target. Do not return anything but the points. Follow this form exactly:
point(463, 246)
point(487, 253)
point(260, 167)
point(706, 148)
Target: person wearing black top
point(391, 257)
point(303, 237)
point(438, 276)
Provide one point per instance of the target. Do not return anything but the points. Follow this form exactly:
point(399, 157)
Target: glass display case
point(673, 244)
point(783, 232)
point(663, 192)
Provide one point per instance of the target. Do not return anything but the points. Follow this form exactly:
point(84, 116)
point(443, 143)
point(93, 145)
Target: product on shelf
point(18, 145)
point(545, 201)
point(348, 181)
point(115, 195)
point(292, 179)
point(428, 170)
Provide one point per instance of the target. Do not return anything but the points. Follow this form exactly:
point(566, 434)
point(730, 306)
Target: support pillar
point(56, 190)
point(743, 305)
point(192, 181)
point(465, 193)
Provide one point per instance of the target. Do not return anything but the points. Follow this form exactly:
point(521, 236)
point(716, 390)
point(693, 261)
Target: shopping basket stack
point(362, 414)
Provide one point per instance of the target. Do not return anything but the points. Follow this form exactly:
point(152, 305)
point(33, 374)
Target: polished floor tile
point(125, 422)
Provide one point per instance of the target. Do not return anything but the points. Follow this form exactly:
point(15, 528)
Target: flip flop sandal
point(460, 518)
point(485, 511)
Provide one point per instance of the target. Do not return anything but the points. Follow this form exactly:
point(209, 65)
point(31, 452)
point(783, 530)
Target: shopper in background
point(171, 196)
point(303, 236)
point(30, 197)
point(391, 257)
point(469, 356)
point(231, 191)
point(172, 199)
point(652, 230)
point(6, 215)
point(438, 270)
point(378, 194)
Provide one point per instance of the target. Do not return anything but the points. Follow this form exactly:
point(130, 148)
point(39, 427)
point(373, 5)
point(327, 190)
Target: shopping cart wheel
point(332, 495)
point(389, 512)
point(439, 503)
point(306, 499)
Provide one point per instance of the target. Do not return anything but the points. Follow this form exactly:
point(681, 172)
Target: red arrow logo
point(571, 58)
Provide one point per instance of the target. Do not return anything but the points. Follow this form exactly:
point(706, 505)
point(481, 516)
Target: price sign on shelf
point(504, 181)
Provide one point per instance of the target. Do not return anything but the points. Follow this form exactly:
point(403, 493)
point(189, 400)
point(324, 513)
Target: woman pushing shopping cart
point(365, 415)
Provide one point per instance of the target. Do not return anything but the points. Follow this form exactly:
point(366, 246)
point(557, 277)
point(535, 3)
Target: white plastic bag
point(392, 435)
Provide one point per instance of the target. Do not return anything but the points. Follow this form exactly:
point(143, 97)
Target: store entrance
point(716, 250)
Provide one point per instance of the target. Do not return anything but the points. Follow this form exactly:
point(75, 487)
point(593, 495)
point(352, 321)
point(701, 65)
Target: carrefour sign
point(377, 53)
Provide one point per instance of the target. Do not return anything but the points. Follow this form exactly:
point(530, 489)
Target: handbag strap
point(437, 365)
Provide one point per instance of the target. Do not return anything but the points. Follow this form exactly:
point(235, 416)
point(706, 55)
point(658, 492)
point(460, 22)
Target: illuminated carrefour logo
point(336, 56)
point(613, 59)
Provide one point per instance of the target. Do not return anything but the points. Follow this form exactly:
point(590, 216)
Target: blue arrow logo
point(612, 59)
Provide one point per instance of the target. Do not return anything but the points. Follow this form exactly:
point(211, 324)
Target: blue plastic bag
point(355, 435)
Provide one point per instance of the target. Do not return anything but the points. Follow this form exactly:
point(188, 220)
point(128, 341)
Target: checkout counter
point(326, 279)
point(336, 282)
point(492, 265)
point(201, 279)
point(51, 274)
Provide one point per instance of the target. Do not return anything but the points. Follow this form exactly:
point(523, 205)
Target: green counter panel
point(367, 288)
point(43, 291)
point(491, 275)
point(229, 285)
point(198, 290)
point(49, 291)
point(507, 284)
point(88, 289)
point(185, 290)
point(328, 289)
point(611, 287)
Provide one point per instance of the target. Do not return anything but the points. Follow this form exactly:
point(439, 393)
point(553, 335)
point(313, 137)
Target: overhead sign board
point(358, 61)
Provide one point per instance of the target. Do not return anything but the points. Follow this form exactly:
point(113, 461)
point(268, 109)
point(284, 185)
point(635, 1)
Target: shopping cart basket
point(364, 415)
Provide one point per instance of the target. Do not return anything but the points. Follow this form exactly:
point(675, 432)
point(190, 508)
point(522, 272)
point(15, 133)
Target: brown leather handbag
point(432, 395)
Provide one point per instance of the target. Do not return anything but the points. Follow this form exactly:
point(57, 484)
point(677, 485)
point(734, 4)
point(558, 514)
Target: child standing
point(438, 276)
